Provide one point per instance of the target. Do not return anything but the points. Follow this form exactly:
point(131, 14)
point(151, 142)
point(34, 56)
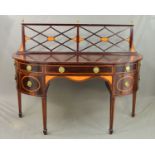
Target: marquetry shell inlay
point(104, 39)
point(50, 38)
point(76, 39)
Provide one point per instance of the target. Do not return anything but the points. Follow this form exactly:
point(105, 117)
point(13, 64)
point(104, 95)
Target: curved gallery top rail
point(76, 38)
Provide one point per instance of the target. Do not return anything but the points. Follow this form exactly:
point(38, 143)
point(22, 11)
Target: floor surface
point(76, 110)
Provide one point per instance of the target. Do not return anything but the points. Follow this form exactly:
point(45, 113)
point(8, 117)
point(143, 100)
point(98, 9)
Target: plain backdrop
point(77, 110)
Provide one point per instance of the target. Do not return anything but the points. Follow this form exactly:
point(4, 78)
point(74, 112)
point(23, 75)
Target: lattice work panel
point(76, 38)
point(50, 38)
point(104, 39)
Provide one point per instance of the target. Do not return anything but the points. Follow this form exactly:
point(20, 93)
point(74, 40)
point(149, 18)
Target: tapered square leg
point(44, 111)
point(133, 104)
point(45, 131)
point(19, 104)
point(112, 104)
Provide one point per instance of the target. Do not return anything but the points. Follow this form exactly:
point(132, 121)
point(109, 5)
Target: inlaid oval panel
point(125, 83)
point(30, 83)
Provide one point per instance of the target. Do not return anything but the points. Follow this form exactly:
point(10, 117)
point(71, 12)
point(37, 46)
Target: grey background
point(77, 110)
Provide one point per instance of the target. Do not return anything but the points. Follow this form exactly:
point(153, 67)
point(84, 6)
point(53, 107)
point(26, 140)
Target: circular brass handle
point(61, 69)
point(29, 68)
point(29, 84)
point(127, 68)
point(96, 69)
point(126, 83)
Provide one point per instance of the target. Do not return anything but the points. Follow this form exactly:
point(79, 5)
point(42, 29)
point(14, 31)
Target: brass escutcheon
point(29, 84)
point(61, 69)
point(29, 68)
point(96, 69)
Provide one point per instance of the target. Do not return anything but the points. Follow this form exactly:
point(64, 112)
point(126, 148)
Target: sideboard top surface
point(71, 58)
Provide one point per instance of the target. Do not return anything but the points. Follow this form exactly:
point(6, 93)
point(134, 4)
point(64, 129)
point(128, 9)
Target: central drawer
point(66, 69)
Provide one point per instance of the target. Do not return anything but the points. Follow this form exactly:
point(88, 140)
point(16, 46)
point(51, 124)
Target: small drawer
point(30, 67)
point(31, 84)
point(125, 83)
point(126, 68)
point(79, 69)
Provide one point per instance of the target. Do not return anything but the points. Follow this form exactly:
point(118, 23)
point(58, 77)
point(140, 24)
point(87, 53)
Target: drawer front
point(124, 84)
point(79, 69)
point(31, 84)
point(30, 67)
point(126, 68)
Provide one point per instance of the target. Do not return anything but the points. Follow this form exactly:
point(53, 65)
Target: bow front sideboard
point(77, 52)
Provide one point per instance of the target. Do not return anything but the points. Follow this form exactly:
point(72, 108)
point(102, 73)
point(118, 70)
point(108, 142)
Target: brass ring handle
point(29, 84)
point(96, 69)
point(29, 68)
point(126, 83)
point(127, 68)
point(61, 69)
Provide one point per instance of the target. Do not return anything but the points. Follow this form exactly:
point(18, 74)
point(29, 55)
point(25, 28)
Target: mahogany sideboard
point(77, 52)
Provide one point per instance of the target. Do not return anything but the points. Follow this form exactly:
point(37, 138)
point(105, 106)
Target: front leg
point(112, 106)
point(19, 96)
point(133, 103)
point(44, 112)
point(19, 103)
